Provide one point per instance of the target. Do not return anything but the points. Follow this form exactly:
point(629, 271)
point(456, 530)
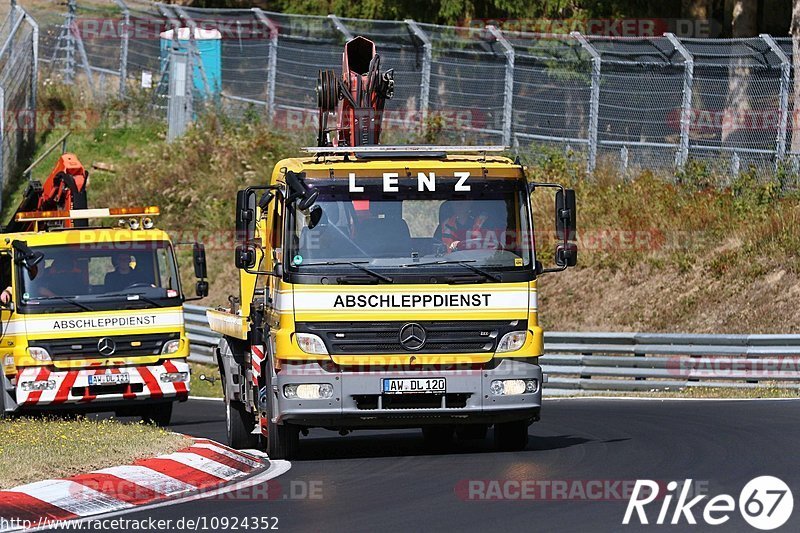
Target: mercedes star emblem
point(412, 336)
point(106, 346)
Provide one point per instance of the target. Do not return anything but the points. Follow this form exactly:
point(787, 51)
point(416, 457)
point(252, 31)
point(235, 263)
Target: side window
point(164, 268)
point(5, 271)
point(277, 225)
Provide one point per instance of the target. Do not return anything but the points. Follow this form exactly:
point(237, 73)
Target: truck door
point(274, 256)
point(6, 282)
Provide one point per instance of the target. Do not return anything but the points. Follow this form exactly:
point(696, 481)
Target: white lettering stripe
point(209, 466)
point(72, 497)
point(90, 322)
point(228, 453)
point(148, 478)
point(305, 301)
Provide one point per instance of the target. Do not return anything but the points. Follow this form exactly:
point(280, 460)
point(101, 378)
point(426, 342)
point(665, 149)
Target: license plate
point(109, 379)
point(414, 385)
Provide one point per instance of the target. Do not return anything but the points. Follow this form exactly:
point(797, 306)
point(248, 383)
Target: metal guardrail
point(581, 362)
point(202, 340)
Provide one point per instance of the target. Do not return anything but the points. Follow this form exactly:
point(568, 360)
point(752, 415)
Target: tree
point(744, 23)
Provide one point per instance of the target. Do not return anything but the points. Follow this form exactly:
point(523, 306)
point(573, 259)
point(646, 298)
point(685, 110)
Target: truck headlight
point(511, 342)
point(509, 387)
point(39, 353)
point(171, 346)
point(30, 386)
point(311, 343)
point(308, 391)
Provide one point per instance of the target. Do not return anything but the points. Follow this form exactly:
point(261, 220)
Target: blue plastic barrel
point(209, 47)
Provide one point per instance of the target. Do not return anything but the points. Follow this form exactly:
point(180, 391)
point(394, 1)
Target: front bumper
point(71, 387)
point(357, 401)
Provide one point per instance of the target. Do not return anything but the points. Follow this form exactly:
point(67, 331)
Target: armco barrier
point(592, 362)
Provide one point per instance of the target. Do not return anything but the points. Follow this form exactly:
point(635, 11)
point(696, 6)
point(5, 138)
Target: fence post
point(783, 119)
point(197, 60)
point(508, 98)
point(66, 36)
point(34, 95)
point(594, 103)
point(176, 25)
point(123, 55)
point(427, 59)
point(272, 61)
point(686, 103)
point(340, 27)
point(3, 154)
point(177, 112)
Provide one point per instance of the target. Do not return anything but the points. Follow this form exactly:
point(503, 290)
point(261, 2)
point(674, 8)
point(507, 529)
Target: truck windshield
point(486, 226)
point(95, 276)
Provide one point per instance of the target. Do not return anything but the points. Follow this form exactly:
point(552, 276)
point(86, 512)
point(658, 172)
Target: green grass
point(204, 388)
point(32, 449)
point(764, 391)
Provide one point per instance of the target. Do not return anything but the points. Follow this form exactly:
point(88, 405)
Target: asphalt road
point(390, 481)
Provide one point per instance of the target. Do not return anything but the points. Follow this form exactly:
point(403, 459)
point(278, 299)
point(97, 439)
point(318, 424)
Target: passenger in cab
point(123, 276)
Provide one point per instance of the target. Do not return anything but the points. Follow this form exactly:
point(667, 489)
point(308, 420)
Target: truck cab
point(387, 287)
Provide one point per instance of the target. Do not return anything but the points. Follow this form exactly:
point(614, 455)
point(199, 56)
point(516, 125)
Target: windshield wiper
point(139, 296)
point(68, 299)
point(466, 264)
point(355, 264)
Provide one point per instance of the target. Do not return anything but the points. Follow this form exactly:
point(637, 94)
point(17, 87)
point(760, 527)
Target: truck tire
point(438, 436)
point(283, 441)
point(240, 425)
point(511, 436)
point(472, 431)
point(159, 414)
point(2, 396)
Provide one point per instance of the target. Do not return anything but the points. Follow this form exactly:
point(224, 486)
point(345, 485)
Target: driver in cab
point(461, 226)
point(123, 276)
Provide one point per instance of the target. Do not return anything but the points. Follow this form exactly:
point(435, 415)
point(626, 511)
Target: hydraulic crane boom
point(64, 189)
point(357, 97)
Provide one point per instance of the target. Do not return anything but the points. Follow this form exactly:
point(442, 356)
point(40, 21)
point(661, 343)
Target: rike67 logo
point(765, 503)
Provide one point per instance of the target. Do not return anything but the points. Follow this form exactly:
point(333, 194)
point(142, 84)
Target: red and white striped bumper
point(72, 386)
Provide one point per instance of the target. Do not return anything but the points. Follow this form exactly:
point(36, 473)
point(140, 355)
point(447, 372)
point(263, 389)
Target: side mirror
point(199, 259)
point(300, 191)
point(25, 256)
point(567, 255)
point(245, 215)
point(244, 257)
point(265, 200)
point(201, 289)
point(566, 215)
point(314, 216)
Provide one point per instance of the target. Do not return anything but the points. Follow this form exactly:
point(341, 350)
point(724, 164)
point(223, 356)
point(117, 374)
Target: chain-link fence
point(632, 103)
point(19, 36)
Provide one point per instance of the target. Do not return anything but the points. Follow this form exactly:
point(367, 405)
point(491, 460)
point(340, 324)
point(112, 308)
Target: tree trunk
point(696, 9)
point(793, 119)
point(744, 23)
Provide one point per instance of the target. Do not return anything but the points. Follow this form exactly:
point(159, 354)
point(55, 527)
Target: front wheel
point(240, 425)
point(159, 414)
point(511, 436)
point(283, 440)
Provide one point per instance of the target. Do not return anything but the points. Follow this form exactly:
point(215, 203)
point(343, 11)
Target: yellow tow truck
point(91, 316)
point(385, 286)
